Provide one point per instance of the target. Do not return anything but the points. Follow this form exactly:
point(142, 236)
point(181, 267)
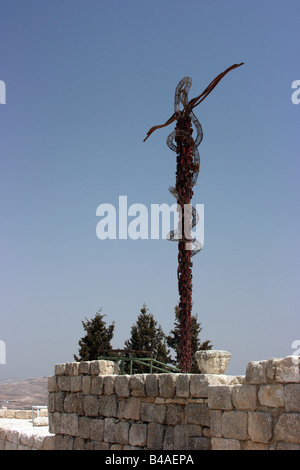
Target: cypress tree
point(173, 340)
point(98, 337)
point(147, 335)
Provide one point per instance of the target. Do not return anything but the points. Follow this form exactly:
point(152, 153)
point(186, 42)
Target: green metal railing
point(152, 364)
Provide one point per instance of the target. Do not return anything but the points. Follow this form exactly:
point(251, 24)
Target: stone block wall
point(91, 407)
point(14, 435)
point(22, 414)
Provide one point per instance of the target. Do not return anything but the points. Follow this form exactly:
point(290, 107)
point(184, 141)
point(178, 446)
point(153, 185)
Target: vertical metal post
point(184, 189)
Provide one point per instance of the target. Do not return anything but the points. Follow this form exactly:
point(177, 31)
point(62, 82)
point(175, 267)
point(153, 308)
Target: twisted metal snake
point(181, 96)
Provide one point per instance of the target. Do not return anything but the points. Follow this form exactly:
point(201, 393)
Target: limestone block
point(86, 384)
point(89, 445)
point(148, 412)
point(181, 437)
point(160, 412)
point(64, 423)
point(108, 405)
point(76, 383)
point(182, 385)
point(219, 397)
point(218, 443)
point(260, 426)
point(137, 385)
point(151, 385)
point(12, 435)
point(122, 388)
point(256, 372)
point(199, 443)
point(96, 429)
point(38, 442)
point(84, 367)
point(97, 385)
point(84, 427)
point(41, 421)
point(2, 432)
point(78, 443)
point(197, 413)
point(287, 446)
point(291, 395)
point(75, 368)
point(109, 384)
point(121, 407)
point(155, 436)
point(138, 435)
point(109, 430)
point(64, 442)
point(68, 368)
point(168, 442)
point(236, 379)
point(59, 369)
point(52, 384)
point(216, 422)
point(103, 367)
point(122, 432)
point(101, 445)
point(271, 395)
point(244, 397)
point(63, 382)
point(11, 446)
point(234, 425)
point(59, 399)
point(175, 414)
point(167, 383)
point(73, 403)
point(90, 405)
point(250, 445)
point(287, 428)
point(287, 369)
point(26, 438)
point(199, 383)
point(195, 430)
point(51, 402)
point(23, 414)
point(132, 409)
point(212, 361)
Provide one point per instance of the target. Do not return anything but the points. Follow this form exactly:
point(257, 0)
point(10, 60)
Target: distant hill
point(22, 394)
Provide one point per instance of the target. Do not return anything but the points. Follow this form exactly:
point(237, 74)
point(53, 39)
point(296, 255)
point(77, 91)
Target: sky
point(85, 81)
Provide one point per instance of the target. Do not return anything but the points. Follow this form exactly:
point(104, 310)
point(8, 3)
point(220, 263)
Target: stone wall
point(19, 434)
point(91, 407)
point(22, 414)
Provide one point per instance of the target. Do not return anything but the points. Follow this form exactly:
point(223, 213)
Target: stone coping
point(20, 434)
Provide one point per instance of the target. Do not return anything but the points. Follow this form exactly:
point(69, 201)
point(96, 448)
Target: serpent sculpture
point(187, 170)
point(181, 96)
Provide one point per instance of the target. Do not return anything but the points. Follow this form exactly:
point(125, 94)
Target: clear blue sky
point(85, 80)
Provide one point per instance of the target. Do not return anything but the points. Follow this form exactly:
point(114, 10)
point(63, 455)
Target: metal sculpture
point(187, 170)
